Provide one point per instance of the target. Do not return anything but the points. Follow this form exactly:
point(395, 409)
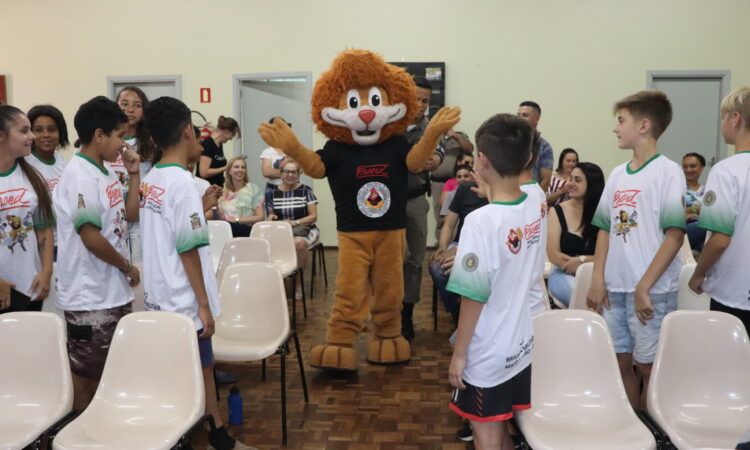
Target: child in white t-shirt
point(178, 273)
point(94, 274)
point(641, 221)
point(726, 214)
point(493, 272)
point(51, 135)
point(27, 219)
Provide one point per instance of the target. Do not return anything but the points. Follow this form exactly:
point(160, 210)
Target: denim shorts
point(628, 333)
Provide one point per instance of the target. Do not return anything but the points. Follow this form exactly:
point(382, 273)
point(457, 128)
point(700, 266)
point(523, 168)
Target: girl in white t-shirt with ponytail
point(26, 220)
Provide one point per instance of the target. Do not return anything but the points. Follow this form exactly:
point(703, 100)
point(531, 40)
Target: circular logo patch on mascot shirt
point(374, 199)
point(470, 262)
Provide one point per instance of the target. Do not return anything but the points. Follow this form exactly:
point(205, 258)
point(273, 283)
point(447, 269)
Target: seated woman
point(241, 203)
point(693, 165)
point(571, 238)
point(558, 185)
point(294, 202)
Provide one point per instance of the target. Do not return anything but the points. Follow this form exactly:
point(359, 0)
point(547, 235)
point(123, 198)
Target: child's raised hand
point(456, 371)
point(131, 161)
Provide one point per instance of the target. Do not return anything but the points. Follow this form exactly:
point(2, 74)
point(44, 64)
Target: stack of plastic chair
point(581, 286)
point(241, 250)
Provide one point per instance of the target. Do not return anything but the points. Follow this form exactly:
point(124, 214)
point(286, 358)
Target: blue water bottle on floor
point(235, 406)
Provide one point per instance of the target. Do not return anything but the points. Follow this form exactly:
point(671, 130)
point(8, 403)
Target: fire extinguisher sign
point(205, 95)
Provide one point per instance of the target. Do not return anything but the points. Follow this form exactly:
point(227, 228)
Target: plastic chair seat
point(574, 431)
point(151, 391)
point(36, 389)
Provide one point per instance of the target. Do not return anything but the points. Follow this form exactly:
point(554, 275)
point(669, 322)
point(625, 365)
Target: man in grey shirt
point(417, 208)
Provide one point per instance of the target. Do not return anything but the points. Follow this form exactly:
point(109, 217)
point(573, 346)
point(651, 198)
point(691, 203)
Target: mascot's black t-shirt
point(368, 183)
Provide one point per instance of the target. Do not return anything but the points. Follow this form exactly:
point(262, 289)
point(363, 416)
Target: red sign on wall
point(3, 93)
point(205, 95)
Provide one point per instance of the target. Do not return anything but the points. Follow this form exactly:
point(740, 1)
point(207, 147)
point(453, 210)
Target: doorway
point(696, 126)
point(154, 86)
point(258, 98)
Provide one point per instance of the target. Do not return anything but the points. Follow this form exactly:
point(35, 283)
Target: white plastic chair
point(49, 302)
point(243, 249)
point(151, 393)
point(548, 267)
point(283, 255)
point(577, 396)
point(36, 389)
point(686, 298)
point(581, 286)
point(219, 233)
point(545, 298)
point(254, 321)
point(699, 392)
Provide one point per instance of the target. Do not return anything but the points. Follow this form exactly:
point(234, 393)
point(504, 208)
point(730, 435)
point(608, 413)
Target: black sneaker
point(465, 433)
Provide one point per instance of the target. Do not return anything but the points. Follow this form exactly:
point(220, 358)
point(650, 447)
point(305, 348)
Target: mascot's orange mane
point(358, 69)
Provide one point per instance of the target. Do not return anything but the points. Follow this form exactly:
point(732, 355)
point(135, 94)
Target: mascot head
point(363, 100)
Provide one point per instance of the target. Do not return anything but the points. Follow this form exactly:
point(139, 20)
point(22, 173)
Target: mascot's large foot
point(334, 357)
point(389, 351)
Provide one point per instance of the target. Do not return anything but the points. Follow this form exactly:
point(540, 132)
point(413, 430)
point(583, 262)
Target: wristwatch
point(296, 222)
point(582, 258)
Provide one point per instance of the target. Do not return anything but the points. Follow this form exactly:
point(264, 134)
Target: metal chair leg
point(434, 307)
point(263, 370)
point(301, 274)
point(283, 398)
point(216, 386)
point(323, 263)
point(301, 365)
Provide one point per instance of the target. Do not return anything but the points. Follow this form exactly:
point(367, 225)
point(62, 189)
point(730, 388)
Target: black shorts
point(742, 314)
point(496, 403)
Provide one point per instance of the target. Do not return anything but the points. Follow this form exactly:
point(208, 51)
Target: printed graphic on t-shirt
point(114, 194)
point(524, 349)
point(150, 197)
point(627, 216)
point(374, 199)
point(14, 231)
point(13, 198)
point(51, 183)
point(514, 240)
point(121, 229)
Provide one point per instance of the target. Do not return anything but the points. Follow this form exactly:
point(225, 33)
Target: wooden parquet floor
point(387, 408)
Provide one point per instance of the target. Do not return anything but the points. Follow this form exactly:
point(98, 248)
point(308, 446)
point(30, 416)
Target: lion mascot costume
point(363, 106)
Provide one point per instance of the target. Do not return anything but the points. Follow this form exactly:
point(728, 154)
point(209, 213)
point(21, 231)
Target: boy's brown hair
point(506, 142)
point(651, 105)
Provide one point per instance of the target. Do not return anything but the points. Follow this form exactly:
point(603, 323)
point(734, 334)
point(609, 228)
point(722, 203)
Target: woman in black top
point(213, 163)
point(571, 238)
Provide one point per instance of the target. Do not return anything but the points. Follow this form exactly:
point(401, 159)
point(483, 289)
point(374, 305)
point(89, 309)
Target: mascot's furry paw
point(334, 357)
point(389, 351)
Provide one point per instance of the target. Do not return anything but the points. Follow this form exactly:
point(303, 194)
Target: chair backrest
point(243, 249)
point(253, 303)
point(34, 366)
point(581, 286)
point(138, 292)
point(545, 297)
point(219, 233)
point(153, 364)
point(700, 375)
point(686, 298)
point(279, 234)
point(686, 253)
point(575, 369)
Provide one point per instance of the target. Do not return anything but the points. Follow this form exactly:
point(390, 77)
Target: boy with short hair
point(722, 267)
point(491, 363)
point(93, 271)
point(179, 275)
point(642, 227)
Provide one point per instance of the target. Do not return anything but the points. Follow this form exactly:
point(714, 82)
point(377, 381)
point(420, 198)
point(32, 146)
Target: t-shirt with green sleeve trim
point(726, 210)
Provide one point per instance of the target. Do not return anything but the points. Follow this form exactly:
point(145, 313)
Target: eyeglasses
point(290, 172)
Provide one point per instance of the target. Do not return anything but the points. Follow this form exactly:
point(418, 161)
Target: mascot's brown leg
point(350, 305)
point(387, 345)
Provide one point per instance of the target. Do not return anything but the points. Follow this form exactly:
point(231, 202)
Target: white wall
point(576, 58)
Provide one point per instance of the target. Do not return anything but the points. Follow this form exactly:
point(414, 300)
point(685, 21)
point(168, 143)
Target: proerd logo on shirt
point(514, 240)
point(374, 170)
point(114, 194)
point(13, 198)
point(52, 183)
point(625, 198)
point(151, 192)
point(533, 232)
